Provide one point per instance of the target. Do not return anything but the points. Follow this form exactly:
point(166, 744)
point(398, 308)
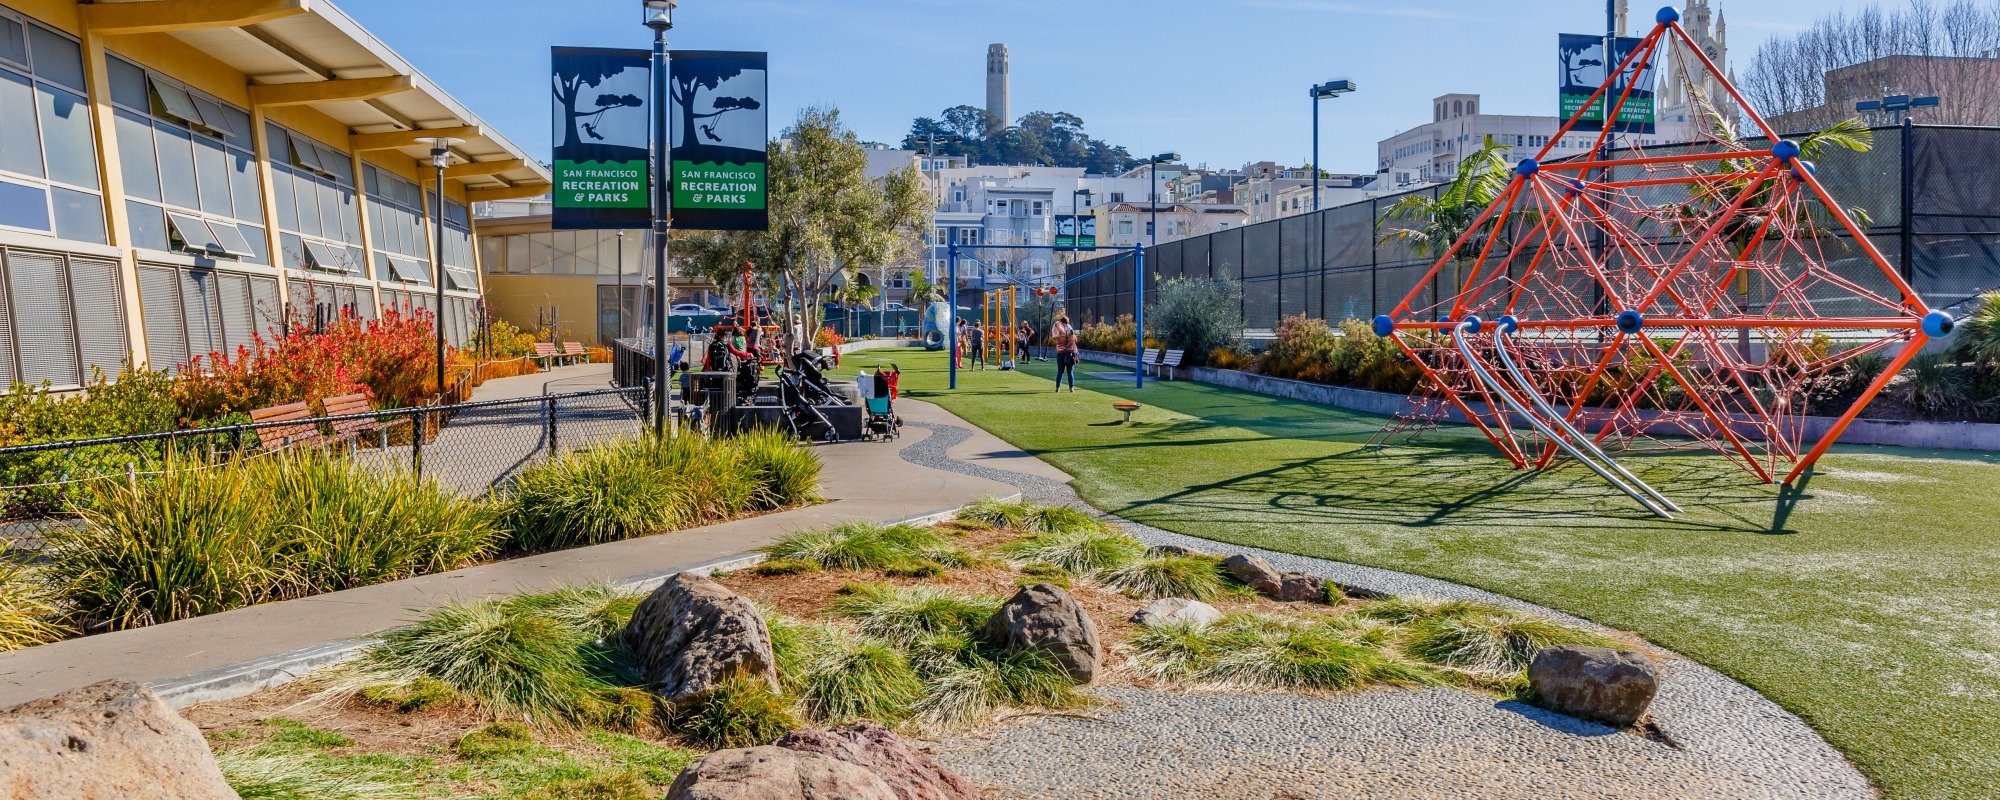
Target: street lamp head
point(660, 13)
point(1164, 158)
point(440, 149)
point(1333, 88)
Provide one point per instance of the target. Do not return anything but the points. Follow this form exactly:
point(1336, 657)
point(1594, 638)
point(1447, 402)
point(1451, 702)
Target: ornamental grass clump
point(742, 712)
point(1196, 577)
point(29, 614)
point(906, 615)
point(653, 485)
point(1021, 515)
point(868, 546)
point(1081, 552)
point(542, 658)
point(198, 538)
point(1250, 651)
point(1489, 641)
point(841, 677)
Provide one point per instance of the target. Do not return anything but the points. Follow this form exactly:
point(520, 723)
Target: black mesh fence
point(473, 448)
point(1927, 196)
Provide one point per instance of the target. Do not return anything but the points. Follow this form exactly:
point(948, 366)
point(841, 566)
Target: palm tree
point(1710, 197)
point(1438, 222)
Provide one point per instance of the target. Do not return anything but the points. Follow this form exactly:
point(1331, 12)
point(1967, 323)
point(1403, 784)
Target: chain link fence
point(474, 448)
point(1930, 196)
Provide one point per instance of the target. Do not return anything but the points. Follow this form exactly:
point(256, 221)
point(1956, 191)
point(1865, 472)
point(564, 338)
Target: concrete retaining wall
point(1898, 433)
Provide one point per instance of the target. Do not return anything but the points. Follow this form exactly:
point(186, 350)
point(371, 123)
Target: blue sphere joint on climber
point(1667, 15)
point(1785, 150)
point(1802, 168)
point(1938, 323)
point(1384, 326)
point(1473, 323)
point(1527, 167)
point(1508, 324)
point(1630, 321)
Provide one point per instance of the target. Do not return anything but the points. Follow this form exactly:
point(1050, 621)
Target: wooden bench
point(575, 351)
point(279, 437)
point(307, 433)
point(1171, 361)
point(546, 354)
point(349, 429)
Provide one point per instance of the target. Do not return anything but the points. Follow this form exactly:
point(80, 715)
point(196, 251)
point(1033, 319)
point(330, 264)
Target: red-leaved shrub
point(391, 359)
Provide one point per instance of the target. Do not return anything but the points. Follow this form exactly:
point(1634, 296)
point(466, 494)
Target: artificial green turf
point(1867, 600)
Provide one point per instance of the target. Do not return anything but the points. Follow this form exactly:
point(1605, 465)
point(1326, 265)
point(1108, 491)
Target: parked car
point(721, 310)
point(688, 310)
point(897, 307)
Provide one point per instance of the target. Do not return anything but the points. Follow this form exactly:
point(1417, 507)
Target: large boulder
point(113, 740)
point(691, 636)
point(1256, 573)
point(776, 773)
point(1302, 587)
point(1177, 611)
point(1044, 617)
point(1595, 683)
point(910, 773)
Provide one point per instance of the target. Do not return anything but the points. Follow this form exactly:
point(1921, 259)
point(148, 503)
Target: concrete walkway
point(572, 378)
point(237, 652)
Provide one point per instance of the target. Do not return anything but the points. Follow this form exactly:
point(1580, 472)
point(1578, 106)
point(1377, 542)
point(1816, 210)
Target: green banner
point(721, 134)
point(725, 186)
point(600, 116)
point(1583, 67)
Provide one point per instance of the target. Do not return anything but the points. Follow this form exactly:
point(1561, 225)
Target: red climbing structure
point(1627, 299)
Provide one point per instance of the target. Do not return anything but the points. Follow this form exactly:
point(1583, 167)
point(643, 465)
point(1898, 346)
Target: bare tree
point(1946, 48)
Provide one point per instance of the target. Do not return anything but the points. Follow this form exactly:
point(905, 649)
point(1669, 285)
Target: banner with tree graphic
point(720, 137)
point(600, 115)
point(1583, 67)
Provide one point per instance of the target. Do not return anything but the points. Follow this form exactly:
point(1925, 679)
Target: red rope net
point(1683, 300)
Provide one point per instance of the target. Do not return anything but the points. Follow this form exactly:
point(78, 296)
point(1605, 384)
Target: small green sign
point(719, 186)
point(601, 184)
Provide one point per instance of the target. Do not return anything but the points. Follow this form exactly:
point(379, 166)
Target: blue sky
point(1220, 81)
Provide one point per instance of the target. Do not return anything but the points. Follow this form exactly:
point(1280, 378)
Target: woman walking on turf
point(1063, 338)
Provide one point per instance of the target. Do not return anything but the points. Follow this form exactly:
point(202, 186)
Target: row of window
point(565, 253)
point(48, 162)
point(62, 317)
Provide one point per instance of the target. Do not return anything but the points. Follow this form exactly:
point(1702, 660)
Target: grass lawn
point(1867, 601)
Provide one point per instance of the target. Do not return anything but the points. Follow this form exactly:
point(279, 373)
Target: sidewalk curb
point(247, 677)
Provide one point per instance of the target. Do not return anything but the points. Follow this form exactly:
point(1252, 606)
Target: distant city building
point(995, 205)
point(1966, 88)
point(996, 84)
point(1127, 224)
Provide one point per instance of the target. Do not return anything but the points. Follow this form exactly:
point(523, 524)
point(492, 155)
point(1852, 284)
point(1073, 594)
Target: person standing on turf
point(1024, 341)
point(977, 335)
point(1063, 338)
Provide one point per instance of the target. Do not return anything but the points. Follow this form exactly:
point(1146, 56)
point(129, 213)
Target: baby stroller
point(882, 423)
point(811, 371)
point(806, 421)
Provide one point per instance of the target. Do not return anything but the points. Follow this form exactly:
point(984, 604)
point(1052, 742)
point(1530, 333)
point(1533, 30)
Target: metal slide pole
point(1561, 421)
point(1460, 334)
point(1139, 316)
point(950, 331)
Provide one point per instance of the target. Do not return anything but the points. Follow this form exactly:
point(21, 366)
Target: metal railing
point(474, 448)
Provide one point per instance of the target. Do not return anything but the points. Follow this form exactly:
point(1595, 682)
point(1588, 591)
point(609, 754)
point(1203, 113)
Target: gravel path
point(1726, 740)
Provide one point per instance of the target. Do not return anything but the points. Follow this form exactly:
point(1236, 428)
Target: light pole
point(1897, 105)
point(440, 155)
point(1154, 166)
point(1325, 91)
point(660, 18)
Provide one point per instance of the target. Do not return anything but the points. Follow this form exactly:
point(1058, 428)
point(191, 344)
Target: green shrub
point(903, 615)
point(28, 611)
point(1979, 335)
point(964, 681)
point(418, 695)
point(280, 773)
point(1252, 651)
point(1114, 337)
point(1198, 315)
point(337, 524)
point(740, 713)
point(1082, 553)
point(1196, 577)
point(1040, 572)
point(1308, 349)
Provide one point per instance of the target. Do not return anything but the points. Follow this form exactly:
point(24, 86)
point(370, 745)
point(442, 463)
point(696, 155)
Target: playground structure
point(1137, 254)
point(1621, 301)
point(1002, 320)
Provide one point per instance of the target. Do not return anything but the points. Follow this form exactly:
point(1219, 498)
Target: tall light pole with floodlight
point(660, 18)
point(440, 156)
point(1325, 91)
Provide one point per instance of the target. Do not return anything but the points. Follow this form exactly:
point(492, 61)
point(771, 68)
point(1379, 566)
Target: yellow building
point(176, 175)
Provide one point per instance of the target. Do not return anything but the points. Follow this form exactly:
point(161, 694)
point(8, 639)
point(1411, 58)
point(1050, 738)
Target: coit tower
point(996, 83)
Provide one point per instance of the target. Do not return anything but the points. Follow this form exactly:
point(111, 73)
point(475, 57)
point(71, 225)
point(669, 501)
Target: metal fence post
point(549, 414)
point(417, 442)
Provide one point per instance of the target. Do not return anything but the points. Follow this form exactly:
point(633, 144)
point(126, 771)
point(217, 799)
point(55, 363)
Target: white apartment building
point(1430, 153)
point(1000, 206)
point(1127, 224)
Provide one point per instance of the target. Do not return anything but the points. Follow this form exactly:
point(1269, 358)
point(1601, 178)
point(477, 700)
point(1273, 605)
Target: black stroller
point(806, 421)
